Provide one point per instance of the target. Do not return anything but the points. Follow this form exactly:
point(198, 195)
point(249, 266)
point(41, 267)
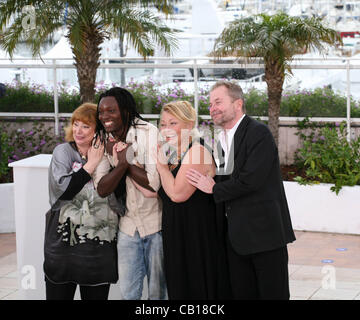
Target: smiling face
point(83, 133)
point(110, 116)
point(172, 128)
point(224, 111)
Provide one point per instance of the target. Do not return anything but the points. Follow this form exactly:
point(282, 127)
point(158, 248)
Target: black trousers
point(66, 291)
point(259, 276)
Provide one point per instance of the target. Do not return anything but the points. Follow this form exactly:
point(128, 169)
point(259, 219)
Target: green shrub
point(26, 97)
point(26, 143)
point(150, 96)
point(327, 156)
point(322, 102)
point(256, 103)
point(5, 151)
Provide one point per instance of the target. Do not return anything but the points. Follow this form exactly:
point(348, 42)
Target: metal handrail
point(283, 119)
point(345, 64)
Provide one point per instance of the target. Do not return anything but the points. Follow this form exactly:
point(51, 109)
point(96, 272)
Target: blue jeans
point(139, 257)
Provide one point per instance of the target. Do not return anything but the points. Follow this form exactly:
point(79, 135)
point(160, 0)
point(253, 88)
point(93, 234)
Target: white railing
point(194, 63)
point(257, 78)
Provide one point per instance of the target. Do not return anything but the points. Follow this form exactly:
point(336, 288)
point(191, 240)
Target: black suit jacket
point(253, 195)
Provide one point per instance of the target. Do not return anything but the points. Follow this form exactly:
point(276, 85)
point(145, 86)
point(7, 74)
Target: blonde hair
point(85, 113)
point(182, 110)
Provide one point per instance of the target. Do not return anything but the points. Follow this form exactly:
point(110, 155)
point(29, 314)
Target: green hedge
point(321, 102)
point(25, 97)
point(5, 151)
point(18, 143)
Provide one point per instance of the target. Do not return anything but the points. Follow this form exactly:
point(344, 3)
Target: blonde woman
point(194, 254)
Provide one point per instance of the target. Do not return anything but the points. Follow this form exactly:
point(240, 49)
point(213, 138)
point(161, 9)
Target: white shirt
point(226, 137)
point(142, 214)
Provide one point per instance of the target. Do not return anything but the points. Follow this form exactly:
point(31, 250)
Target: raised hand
point(94, 154)
point(161, 159)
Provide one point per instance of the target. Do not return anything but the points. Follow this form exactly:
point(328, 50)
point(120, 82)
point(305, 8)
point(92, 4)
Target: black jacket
point(253, 195)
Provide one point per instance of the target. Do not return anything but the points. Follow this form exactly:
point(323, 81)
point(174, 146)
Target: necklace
point(175, 159)
point(83, 156)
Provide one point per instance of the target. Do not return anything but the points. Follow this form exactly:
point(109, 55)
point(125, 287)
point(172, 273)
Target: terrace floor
point(322, 266)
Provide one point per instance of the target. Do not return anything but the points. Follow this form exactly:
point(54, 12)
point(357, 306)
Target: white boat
point(199, 29)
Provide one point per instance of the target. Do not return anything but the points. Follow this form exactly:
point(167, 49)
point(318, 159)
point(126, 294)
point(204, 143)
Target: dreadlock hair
point(127, 107)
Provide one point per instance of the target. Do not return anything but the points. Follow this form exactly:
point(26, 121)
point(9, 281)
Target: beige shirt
point(142, 214)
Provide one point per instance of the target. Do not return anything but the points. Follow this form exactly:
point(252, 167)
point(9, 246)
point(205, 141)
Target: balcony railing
point(193, 63)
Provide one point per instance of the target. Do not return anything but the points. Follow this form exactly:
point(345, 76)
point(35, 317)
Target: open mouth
point(168, 134)
point(172, 137)
point(108, 124)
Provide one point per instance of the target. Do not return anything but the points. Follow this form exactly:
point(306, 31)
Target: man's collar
point(232, 131)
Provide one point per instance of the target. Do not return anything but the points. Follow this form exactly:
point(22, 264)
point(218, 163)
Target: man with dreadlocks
point(129, 146)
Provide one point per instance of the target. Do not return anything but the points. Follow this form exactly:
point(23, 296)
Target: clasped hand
point(119, 153)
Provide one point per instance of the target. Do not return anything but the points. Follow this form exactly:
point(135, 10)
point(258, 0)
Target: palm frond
point(143, 29)
point(88, 24)
point(278, 37)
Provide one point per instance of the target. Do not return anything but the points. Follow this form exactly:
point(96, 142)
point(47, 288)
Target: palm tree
point(275, 39)
point(88, 24)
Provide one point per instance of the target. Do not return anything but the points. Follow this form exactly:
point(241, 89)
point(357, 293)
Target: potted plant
point(326, 196)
